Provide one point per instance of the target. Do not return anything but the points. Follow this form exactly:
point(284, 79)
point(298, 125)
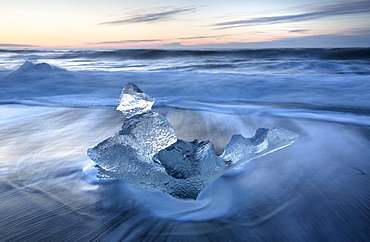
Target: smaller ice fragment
point(265, 141)
point(133, 101)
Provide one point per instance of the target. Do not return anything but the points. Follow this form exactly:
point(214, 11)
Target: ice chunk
point(147, 153)
point(128, 155)
point(263, 142)
point(133, 101)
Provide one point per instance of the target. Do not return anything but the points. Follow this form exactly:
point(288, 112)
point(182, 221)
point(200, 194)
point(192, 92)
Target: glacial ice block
point(146, 152)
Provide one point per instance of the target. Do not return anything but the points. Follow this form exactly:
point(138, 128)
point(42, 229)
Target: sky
point(98, 24)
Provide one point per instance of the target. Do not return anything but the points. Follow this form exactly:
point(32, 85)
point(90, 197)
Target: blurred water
point(243, 61)
point(316, 189)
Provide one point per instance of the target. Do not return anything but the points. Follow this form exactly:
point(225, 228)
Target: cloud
point(155, 40)
point(203, 37)
point(298, 30)
point(152, 16)
point(316, 13)
point(16, 45)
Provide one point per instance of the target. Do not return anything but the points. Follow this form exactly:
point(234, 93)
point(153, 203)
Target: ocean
point(55, 104)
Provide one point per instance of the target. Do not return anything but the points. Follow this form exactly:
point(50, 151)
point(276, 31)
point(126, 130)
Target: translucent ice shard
point(147, 153)
point(265, 141)
point(133, 101)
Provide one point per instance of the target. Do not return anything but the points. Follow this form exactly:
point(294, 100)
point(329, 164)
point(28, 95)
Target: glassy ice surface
point(133, 101)
point(265, 141)
point(147, 153)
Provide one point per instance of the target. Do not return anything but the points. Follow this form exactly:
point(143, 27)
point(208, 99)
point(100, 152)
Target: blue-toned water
point(62, 102)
